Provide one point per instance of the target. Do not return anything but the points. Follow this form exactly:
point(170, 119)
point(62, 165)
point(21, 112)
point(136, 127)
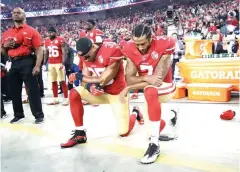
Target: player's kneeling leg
point(154, 115)
point(125, 122)
point(76, 107)
point(156, 124)
point(166, 92)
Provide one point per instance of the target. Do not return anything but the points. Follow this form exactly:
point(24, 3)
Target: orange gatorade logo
point(197, 48)
point(209, 92)
point(211, 71)
point(215, 75)
point(206, 93)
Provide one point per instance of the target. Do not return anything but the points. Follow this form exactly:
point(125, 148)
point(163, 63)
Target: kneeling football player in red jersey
point(104, 79)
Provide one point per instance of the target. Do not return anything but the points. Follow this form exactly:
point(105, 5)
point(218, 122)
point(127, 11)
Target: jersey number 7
point(147, 68)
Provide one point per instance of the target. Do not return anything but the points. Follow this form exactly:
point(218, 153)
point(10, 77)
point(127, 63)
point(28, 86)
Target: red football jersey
point(122, 43)
point(159, 31)
point(107, 40)
point(147, 63)
point(82, 34)
point(54, 49)
point(108, 54)
point(80, 64)
point(95, 36)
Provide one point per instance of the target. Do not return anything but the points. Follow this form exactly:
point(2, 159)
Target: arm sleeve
point(170, 46)
point(36, 39)
point(117, 55)
point(62, 40)
point(99, 33)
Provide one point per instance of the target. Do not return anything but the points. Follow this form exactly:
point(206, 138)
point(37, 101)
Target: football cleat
point(139, 115)
point(174, 119)
point(65, 102)
point(54, 102)
point(3, 115)
point(79, 137)
point(151, 154)
point(95, 105)
point(173, 123)
point(165, 138)
point(85, 102)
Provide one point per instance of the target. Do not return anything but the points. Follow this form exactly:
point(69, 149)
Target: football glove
point(75, 76)
point(95, 89)
point(61, 67)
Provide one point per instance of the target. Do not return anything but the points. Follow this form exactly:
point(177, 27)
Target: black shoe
point(3, 115)
point(173, 123)
point(79, 136)
point(39, 121)
point(17, 119)
point(60, 92)
point(151, 154)
point(174, 119)
point(139, 118)
point(7, 100)
point(166, 138)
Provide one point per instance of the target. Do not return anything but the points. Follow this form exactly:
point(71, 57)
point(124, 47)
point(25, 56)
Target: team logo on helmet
point(100, 59)
point(154, 55)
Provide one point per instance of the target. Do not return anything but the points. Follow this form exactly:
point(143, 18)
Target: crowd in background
point(36, 5)
point(221, 17)
point(218, 21)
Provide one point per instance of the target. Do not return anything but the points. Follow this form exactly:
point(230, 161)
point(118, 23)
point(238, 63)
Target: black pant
point(68, 72)
point(68, 69)
point(3, 112)
point(173, 66)
point(5, 88)
point(21, 71)
point(40, 82)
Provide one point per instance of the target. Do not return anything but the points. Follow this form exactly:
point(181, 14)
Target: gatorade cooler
point(209, 92)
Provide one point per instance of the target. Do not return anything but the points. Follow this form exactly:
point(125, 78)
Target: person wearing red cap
point(228, 115)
